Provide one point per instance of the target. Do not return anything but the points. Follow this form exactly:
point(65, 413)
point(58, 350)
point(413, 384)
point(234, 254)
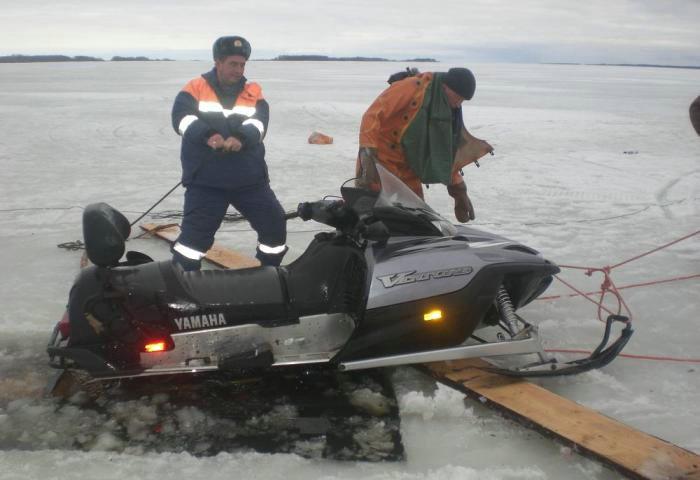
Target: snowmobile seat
point(246, 295)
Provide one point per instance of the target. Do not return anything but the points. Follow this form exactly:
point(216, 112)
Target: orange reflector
point(155, 347)
point(433, 316)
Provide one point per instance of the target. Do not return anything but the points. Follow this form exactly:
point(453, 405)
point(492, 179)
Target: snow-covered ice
point(593, 166)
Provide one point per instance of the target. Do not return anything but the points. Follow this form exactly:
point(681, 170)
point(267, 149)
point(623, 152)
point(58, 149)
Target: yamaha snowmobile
point(394, 283)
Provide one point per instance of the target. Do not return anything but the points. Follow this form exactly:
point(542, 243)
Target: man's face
point(453, 98)
point(229, 70)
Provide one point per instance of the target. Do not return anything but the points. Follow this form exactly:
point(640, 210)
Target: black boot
point(187, 264)
point(270, 259)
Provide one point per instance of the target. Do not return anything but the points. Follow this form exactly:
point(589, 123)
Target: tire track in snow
point(662, 195)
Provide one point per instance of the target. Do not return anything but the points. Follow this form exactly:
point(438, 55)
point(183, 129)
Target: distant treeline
point(47, 58)
point(65, 58)
point(324, 58)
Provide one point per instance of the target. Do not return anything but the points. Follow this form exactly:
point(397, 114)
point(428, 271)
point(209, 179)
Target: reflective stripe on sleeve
point(256, 123)
point(243, 110)
point(210, 106)
point(188, 252)
point(215, 107)
point(185, 123)
point(271, 250)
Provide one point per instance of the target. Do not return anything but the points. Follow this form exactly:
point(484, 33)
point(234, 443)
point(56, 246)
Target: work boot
point(187, 264)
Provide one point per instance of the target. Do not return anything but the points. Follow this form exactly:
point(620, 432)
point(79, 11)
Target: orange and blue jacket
point(386, 120)
point(201, 109)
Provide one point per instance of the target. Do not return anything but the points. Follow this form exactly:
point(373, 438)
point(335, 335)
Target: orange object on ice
point(319, 138)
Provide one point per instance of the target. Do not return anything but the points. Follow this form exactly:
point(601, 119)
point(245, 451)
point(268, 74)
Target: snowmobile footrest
point(81, 358)
point(256, 358)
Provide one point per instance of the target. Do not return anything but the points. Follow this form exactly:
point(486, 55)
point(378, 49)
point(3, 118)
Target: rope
point(229, 217)
point(77, 245)
point(155, 204)
point(634, 285)
point(628, 355)
point(608, 286)
point(150, 233)
point(655, 249)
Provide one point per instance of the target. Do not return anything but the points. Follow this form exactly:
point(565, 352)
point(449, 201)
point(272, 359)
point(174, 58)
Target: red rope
point(629, 355)
point(579, 292)
point(634, 285)
point(656, 249)
point(608, 286)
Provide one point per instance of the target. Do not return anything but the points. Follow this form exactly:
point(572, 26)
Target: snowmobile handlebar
point(334, 213)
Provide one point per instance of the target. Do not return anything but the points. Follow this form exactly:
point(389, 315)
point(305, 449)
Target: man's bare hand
point(216, 141)
point(232, 144)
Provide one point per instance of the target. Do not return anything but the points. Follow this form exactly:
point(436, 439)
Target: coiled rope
point(609, 287)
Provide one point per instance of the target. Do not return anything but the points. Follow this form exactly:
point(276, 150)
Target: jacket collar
point(221, 90)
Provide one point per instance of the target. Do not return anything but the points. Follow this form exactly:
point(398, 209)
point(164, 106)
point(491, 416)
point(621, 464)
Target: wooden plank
point(217, 254)
point(623, 448)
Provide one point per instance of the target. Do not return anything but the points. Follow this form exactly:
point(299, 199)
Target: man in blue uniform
point(223, 119)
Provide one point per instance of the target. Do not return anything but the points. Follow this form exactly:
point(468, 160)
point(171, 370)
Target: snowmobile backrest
point(105, 231)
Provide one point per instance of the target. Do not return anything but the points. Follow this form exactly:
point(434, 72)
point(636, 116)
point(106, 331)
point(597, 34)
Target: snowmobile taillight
point(64, 325)
point(434, 315)
point(156, 346)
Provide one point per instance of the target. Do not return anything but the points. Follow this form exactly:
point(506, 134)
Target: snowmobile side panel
point(401, 328)
point(316, 338)
point(410, 268)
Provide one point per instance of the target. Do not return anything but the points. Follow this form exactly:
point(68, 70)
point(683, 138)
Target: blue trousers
point(205, 208)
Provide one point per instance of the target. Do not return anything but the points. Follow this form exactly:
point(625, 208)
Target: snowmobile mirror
point(105, 231)
point(359, 199)
point(377, 232)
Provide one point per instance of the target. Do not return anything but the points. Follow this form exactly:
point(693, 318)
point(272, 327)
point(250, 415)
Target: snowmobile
point(394, 283)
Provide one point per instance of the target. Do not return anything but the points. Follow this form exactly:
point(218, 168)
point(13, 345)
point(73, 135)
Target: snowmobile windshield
point(405, 213)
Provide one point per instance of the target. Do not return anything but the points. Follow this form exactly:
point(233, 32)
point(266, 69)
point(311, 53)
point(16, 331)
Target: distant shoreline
point(78, 58)
point(647, 65)
point(280, 58)
point(295, 58)
point(324, 58)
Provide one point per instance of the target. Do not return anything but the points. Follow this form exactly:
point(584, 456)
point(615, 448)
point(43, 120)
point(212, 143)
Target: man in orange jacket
point(415, 130)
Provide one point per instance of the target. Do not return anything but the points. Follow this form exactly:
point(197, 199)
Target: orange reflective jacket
point(386, 120)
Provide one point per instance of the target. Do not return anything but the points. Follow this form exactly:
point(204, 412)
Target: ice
point(561, 182)
point(444, 403)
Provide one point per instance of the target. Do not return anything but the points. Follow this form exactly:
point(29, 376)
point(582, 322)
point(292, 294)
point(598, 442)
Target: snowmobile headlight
point(433, 315)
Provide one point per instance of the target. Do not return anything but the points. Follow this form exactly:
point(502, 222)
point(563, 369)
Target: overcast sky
point(589, 31)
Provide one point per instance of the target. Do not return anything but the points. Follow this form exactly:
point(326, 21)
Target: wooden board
point(217, 255)
point(629, 451)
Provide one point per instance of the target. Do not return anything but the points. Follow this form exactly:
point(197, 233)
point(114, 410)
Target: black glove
point(464, 211)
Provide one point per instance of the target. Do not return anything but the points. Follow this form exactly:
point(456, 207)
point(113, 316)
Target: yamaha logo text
point(200, 321)
point(413, 276)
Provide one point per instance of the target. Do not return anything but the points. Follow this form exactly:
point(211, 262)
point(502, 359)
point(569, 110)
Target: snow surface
point(593, 166)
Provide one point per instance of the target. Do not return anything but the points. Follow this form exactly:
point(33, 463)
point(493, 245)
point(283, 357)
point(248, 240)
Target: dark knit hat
point(695, 114)
point(227, 46)
point(461, 81)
